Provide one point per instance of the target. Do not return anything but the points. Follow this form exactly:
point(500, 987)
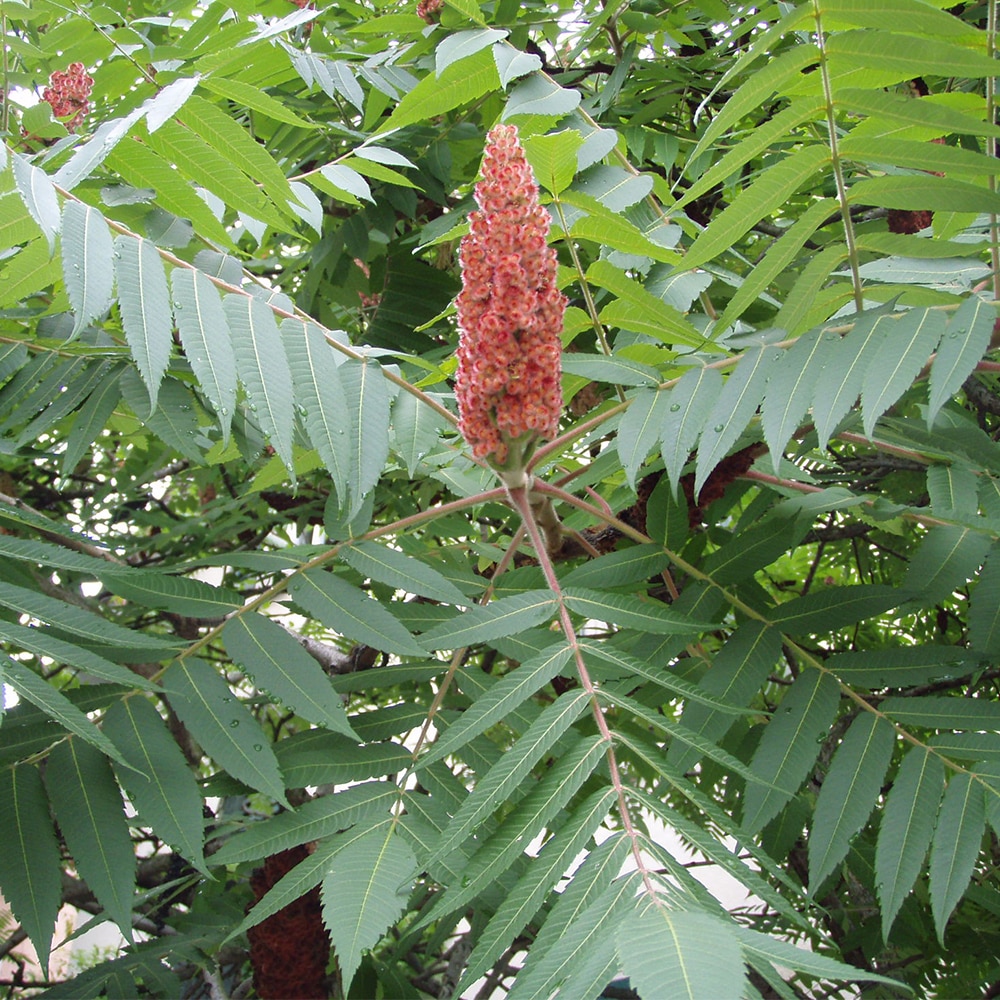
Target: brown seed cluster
point(289, 951)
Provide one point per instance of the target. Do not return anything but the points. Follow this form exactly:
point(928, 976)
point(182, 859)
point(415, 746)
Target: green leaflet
point(657, 721)
point(788, 956)
point(640, 428)
point(175, 421)
point(616, 569)
point(957, 839)
point(204, 332)
point(524, 899)
point(948, 557)
point(952, 489)
point(590, 880)
point(55, 704)
point(365, 888)
point(984, 607)
point(898, 57)
point(826, 610)
point(86, 257)
point(352, 613)
point(279, 665)
point(632, 667)
point(777, 260)
point(402, 572)
point(726, 857)
point(143, 168)
point(173, 593)
point(90, 813)
point(254, 97)
point(75, 620)
point(616, 371)
point(225, 134)
point(586, 952)
point(691, 401)
point(790, 745)
point(533, 813)
point(733, 408)
point(416, 428)
point(498, 783)
point(367, 399)
point(697, 953)
point(29, 863)
point(320, 757)
point(738, 672)
point(223, 726)
point(506, 616)
point(771, 189)
point(906, 830)
point(966, 339)
point(157, 780)
point(836, 393)
point(791, 387)
point(901, 109)
point(754, 547)
point(263, 369)
point(39, 196)
point(211, 167)
point(144, 303)
point(507, 694)
point(305, 876)
point(313, 820)
point(898, 361)
point(637, 309)
point(462, 82)
point(328, 419)
point(539, 94)
point(752, 145)
point(938, 194)
point(847, 796)
point(938, 712)
point(40, 640)
point(783, 68)
point(630, 612)
point(553, 158)
point(462, 44)
point(898, 666)
point(92, 418)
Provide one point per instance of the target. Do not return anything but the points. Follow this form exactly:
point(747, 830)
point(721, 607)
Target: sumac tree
point(309, 702)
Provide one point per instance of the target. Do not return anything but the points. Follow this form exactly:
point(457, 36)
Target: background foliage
point(275, 637)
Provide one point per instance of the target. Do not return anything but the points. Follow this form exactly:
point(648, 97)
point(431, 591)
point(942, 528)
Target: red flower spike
point(510, 314)
point(428, 8)
point(69, 94)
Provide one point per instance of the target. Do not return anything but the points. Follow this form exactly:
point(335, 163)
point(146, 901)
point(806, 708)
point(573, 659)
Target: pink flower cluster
point(426, 8)
point(69, 94)
point(510, 311)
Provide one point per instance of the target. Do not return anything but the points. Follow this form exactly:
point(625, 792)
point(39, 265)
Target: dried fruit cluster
point(290, 949)
point(510, 313)
point(68, 93)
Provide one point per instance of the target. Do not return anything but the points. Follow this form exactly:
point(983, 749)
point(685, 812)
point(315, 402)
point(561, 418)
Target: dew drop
point(234, 723)
point(674, 407)
point(258, 747)
point(719, 428)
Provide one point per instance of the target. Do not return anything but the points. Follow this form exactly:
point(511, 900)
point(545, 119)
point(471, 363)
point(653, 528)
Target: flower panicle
point(510, 313)
point(68, 93)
